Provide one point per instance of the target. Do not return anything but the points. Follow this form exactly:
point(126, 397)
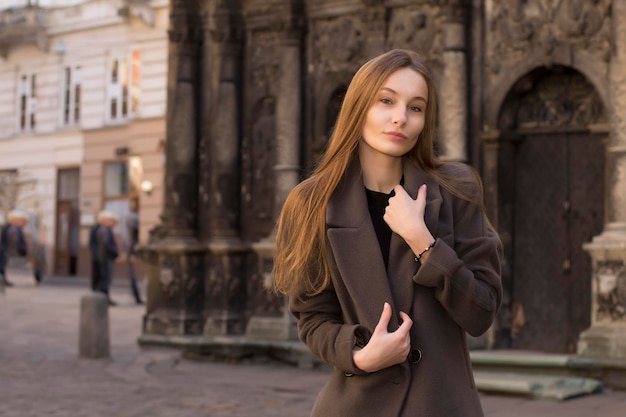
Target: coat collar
point(356, 250)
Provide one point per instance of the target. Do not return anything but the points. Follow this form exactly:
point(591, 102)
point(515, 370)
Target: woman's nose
point(399, 116)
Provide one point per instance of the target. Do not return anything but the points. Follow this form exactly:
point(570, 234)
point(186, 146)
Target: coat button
point(415, 355)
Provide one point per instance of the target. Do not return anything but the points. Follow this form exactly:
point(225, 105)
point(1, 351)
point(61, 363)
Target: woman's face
point(396, 119)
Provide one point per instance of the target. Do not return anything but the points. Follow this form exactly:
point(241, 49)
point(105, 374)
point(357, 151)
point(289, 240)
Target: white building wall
point(86, 34)
point(8, 92)
point(36, 159)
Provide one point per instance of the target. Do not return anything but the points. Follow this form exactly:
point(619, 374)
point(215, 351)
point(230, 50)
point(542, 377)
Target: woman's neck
point(380, 173)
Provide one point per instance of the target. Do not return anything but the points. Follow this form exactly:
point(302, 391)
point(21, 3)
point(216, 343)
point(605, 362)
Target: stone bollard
point(94, 326)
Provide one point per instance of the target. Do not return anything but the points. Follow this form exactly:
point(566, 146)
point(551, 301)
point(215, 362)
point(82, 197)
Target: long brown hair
point(300, 264)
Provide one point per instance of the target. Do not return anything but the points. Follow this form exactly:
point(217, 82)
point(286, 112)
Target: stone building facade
point(531, 94)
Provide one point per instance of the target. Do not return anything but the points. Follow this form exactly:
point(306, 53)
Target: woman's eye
point(416, 109)
point(385, 100)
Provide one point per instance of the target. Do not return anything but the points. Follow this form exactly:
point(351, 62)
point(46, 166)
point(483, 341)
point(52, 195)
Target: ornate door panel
point(558, 206)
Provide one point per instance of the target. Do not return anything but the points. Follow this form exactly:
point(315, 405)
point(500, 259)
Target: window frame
point(123, 84)
point(26, 120)
point(70, 96)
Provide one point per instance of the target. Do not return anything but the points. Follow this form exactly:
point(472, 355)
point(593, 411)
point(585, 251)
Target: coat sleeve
point(21, 245)
point(466, 278)
point(111, 245)
point(321, 328)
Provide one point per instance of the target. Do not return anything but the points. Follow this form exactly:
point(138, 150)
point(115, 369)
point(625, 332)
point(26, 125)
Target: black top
point(377, 202)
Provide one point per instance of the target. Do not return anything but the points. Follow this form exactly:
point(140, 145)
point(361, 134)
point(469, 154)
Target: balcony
point(23, 26)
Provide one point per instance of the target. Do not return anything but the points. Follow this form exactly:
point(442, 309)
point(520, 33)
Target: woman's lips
point(396, 135)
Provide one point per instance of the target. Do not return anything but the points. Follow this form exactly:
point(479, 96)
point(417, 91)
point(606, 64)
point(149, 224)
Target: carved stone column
point(286, 173)
point(225, 294)
point(174, 255)
point(607, 335)
point(453, 90)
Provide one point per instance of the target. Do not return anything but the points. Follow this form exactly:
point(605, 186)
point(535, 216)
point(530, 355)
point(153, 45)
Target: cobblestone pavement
point(41, 374)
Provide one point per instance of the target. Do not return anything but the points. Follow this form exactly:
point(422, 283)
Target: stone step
point(531, 362)
point(610, 372)
point(536, 386)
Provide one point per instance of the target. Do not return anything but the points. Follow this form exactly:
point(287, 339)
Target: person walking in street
point(38, 260)
point(36, 250)
point(132, 223)
point(104, 251)
point(387, 255)
point(12, 242)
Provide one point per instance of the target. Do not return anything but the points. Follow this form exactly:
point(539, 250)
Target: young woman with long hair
point(387, 255)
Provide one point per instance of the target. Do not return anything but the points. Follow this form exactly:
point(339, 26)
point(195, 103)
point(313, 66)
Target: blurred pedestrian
point(12, 242)
point(104, 251)
point(132, 225)
point(37, 255)
point(36, 250)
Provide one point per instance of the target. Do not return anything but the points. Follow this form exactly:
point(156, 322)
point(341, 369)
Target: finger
point(399, 190)
point(421, 195)
point(421, 192)
point(383, 322)
point(407, 323)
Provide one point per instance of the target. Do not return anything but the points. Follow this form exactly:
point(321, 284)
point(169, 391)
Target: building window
point(116, 179)
point(27, 102)
point(119, 191)
point(71, 95)
point(124, 78)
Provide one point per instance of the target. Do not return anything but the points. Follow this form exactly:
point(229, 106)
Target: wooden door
point(558, 207)
point(64, 221)
point(67, 222)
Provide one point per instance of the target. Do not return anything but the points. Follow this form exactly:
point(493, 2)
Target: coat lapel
point(355, 248)
point(402, 264)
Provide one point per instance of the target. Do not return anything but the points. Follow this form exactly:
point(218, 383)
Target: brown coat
point(456, 290)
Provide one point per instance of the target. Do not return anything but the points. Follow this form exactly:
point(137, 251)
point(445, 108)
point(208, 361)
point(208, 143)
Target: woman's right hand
point(385, 348)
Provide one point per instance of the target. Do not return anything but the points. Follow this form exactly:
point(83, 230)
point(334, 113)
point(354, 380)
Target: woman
point(387, 255)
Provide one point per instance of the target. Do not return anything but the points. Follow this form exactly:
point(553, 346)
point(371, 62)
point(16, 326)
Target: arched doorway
point(551, 200)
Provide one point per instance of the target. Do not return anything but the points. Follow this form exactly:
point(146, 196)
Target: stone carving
point(580, 18)
point(518, 28)
point(338, 43)
point(264, 62)
point(510, 31)
point(419, 29)
point(374, 19)
point(610, 281)
point(454, 9)
point(562, 98)
point(412, 29)
point(168, 283)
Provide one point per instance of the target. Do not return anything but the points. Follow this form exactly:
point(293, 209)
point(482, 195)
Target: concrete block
point(94, 326)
